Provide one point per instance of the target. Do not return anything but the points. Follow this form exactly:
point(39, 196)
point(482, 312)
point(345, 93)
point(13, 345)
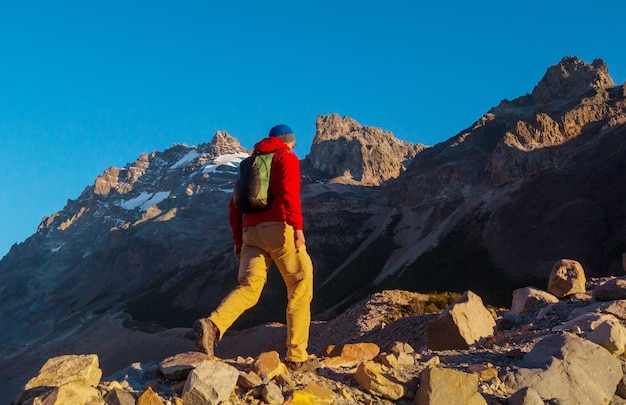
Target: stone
point(370, 376)
point(272, 394)
point(611, 335)
point(401, 347)
point(443, 386)
point(465, 322)
point(405, 359)
point(509, 321)
point(118, 396)
point(621, 386)
point(610, 290)
point(149, 397)
point(388, 359)
point(485, 372)
point(210, 383)
point(137, 375)
point(249, 380)
point(71, 393)
point(313, 393)
point(529, 299)
point(566, 278)
point(284, 380)
point(569, 368)
point(177, 367)
point(339, 362)
point(616, 308)
point(525, 396)
point(349, 355)
point(61, 370)
point(586, 322)
point(268, 366)
point(358, 351)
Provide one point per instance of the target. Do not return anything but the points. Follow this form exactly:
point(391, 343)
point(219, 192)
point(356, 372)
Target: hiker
point(274, 235)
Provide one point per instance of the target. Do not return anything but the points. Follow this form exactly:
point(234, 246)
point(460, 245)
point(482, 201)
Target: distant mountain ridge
point(147, 247)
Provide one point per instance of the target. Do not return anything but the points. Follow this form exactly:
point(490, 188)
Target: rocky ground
point(373, 328)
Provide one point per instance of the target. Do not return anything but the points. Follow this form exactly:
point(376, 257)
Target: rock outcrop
point(345, 152)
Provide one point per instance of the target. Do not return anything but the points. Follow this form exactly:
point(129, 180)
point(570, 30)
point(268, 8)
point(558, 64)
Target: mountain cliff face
point(345, 152)
point(147, 247)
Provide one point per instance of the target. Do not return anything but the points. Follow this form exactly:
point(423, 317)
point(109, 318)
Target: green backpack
point(251, 193)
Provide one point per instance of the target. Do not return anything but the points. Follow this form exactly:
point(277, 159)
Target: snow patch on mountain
point(144, 200)
point(188, 158)
point(229, 159)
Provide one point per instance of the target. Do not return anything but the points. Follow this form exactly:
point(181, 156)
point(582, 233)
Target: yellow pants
point(263, 244)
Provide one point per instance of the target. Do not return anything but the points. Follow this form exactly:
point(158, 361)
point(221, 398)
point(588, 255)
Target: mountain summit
point(146, 249)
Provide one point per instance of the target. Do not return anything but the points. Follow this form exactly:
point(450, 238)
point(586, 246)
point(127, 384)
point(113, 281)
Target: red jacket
point(284, 186)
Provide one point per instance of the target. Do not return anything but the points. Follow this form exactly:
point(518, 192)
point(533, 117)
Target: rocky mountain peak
point(569, 79)
point(223, 143)
point(343, 151)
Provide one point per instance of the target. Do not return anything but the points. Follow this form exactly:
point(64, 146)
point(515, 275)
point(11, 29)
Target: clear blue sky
point(85, 85)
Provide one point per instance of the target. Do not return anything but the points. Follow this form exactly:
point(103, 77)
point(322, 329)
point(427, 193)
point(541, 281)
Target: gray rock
point(272, 394)
point(614, 289)
point(179, 366)
point(567, 278)
point(448, 386)
point(611, 335)
point(210, 383)
point(525, 396)
point(463, 323)
point(529, 299)
point(119, 397)
point(568, 368)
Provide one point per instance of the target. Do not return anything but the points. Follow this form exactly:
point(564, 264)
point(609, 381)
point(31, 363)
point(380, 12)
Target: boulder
point(529, 299)
point(249, 380)
point(463, 323)
point(349, 355)
point(61, 370)
point(401, 347)
point(268, 366)
point(272, 394)
point(118, 396)
point(177, 367)
point(69, 394)
point(358, 351)
point(149, 397)
point(485, 372)
point(570, 369)
point(311, 394)
point(210, 383)
point(614, 289)
point(526, 396)
point(611, 335)
point(567, 278)
point(443, 386)
point(58, 371)
point(585, 322)
point(370, 376)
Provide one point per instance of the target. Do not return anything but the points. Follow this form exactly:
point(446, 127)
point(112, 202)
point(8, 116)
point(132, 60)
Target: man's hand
point(299, 236)
point(237, 251)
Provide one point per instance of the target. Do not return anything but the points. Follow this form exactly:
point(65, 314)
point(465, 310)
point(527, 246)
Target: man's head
point(283, 132)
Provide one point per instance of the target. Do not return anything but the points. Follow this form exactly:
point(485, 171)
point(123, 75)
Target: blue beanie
point(283, 132)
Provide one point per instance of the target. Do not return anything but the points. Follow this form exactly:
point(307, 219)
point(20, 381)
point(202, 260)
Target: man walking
point(274, 235)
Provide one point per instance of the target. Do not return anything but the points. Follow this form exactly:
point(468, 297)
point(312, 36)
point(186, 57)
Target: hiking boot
point(206, 336)
point(312, 364)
